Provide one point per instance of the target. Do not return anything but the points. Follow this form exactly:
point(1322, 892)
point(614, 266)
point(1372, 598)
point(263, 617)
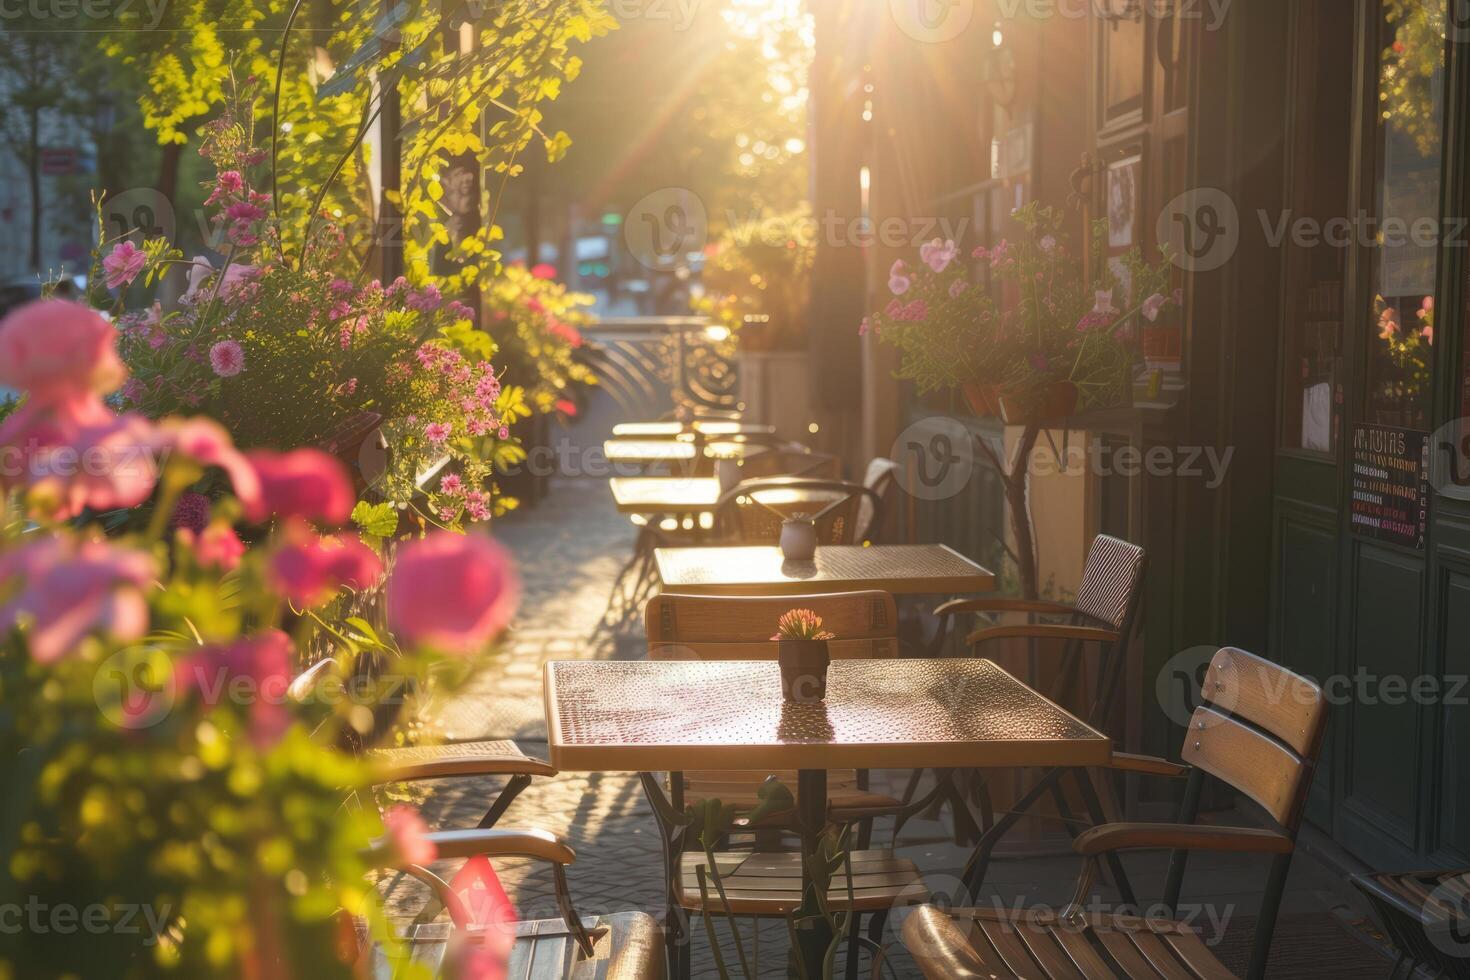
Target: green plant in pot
point(801, 649)
point(1024, 332)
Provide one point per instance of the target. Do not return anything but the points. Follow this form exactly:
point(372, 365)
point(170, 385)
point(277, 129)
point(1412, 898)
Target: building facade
point(1305, 161)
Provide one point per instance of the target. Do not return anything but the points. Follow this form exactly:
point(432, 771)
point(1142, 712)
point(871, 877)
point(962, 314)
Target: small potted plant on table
point(801, 649)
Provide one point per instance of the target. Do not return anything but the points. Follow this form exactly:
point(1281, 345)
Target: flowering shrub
point(801, 624)
point(758, 278)
point(539, 323)
point(288, 351)
point(166, 793)
point(1039, 322)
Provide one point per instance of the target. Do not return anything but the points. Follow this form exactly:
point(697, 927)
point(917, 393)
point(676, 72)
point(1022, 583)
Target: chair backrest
point(754, 510)
point(1111, 580)
point(881, 478)
point(683, 627)
point(791, 461)
point(1258, 728)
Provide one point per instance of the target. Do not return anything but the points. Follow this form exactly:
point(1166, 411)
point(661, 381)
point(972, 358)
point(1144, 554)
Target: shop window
point(1319, 193)
point(1404, 263)
point(1122, 40)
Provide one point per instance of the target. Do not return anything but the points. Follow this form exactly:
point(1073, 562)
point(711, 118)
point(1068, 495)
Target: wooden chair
point(1258, 729)
point(1105, 614)
point(421, 762)
point(743, 515)
point(618, 946)
point(1426, 915)
point(767, 884)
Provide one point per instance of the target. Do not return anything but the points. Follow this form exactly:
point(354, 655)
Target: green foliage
point(375, 520)
point(758, 280)
point(539, 322)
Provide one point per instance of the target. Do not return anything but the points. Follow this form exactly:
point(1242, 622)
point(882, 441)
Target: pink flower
point(864, 327)
point(227, 358)
point(980, 252)
point(437, 432)
point(407, 835)
point(460, 311)
point(1103, 305)
point(57, 349)
point(217, 546)
point(254, 669)
point(957, 288)
point(310, 571)
point(898, 281)
point(83, 455)
point(1153, 306)
point(424, 300)
point(938, 255)
point(304, 483)
point(450, 591)
point(241, 211)
point(191, 512)
point(68, 590)
point(205, 441)
point(123, 264)
point(451, 484)
point(1388, 324)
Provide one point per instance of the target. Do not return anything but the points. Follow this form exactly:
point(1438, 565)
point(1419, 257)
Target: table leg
point(676, 920)
point(815, 936)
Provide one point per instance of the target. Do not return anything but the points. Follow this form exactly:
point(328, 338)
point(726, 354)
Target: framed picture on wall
point(1122, 189)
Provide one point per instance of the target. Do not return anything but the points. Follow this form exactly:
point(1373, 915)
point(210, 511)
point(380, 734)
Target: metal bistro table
point(903, 569)
point(669, 716)
point(704, 427)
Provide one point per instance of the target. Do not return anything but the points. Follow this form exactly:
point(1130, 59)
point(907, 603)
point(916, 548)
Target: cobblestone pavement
point(570, 550)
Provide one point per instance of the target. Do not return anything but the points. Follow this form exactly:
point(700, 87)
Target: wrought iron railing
point(650, 365)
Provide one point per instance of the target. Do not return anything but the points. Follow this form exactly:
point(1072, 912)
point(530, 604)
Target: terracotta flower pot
point(983, 399)
point(804, 666)
point(1056, 401)
point(1163, 345)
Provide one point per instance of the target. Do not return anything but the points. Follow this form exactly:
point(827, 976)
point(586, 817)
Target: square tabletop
point(649, 451)
point(672, 430)
point(648, 716)
point(761, 570)
point(698, 495)
point(665, 494)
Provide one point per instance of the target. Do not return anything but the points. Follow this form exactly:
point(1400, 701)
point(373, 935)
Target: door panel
point(1383, 739)
point(1305, 614)
point(1454, 810)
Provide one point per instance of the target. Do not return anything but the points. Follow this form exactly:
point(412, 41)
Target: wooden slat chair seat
point(740, 628)
point(1426, 915)
point(770, 884)
point(406, 764)
point(1258, 729)
point(616, 946)
point(992, 943)
point(626, 946)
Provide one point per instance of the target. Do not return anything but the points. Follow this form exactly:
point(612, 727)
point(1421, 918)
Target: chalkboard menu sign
point(1390, 484)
